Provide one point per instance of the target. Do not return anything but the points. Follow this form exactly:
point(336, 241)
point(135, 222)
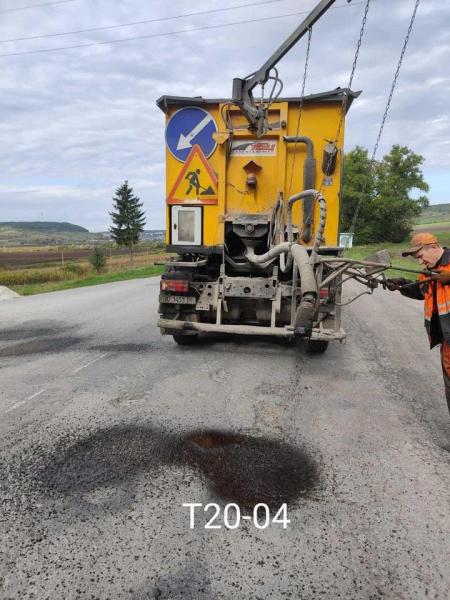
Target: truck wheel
point(185, 340)
point(316, 346)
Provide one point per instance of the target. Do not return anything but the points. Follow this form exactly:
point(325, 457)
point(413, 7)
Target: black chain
point(395, 78)
point(383, 120)
point(345, 98)
point(302, 98)
point(352, 74)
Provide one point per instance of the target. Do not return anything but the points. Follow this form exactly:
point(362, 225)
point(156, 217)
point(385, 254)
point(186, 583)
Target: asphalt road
point(107, 429)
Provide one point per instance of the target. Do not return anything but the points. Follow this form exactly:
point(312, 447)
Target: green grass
point(395, 252)
point(29, 290)
point(363, 252)
point(434, 223)
point(429, 220)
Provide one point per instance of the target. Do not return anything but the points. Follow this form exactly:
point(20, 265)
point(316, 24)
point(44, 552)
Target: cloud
point(76, 123)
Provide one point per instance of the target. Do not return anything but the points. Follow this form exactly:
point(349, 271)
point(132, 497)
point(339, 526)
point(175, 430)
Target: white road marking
point(23, 401)
point(89, 363)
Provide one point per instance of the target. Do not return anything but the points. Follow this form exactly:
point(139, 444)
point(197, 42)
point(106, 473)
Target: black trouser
point(445, 361)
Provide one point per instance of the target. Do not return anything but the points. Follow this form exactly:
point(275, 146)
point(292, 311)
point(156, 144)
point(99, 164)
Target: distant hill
point(437, 208)
point(48, 226)
point(434, 219)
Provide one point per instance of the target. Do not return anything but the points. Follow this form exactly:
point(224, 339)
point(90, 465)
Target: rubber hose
point(285, 267)
point(308, 283)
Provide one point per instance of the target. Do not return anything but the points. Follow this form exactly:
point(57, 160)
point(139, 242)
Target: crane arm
point(242, 94)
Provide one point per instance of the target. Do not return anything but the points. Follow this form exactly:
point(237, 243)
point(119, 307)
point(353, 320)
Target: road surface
point(107, 429)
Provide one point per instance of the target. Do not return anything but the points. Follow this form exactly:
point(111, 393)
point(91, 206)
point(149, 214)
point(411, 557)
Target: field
point(31, 270)
point(89, 279)
point(31, 257)
point(435, 227)
point(435, 219)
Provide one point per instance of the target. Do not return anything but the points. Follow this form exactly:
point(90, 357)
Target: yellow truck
point(252, 200)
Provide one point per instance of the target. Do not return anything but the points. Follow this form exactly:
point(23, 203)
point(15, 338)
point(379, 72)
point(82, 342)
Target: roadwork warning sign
point(196, 183)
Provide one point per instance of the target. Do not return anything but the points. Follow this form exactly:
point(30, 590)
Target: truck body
point(231, 199)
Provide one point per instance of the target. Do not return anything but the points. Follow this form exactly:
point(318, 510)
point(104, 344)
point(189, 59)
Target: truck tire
point(317, 346)
point(185, 340)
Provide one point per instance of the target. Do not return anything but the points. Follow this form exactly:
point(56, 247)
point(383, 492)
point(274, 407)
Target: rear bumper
point(170, 327)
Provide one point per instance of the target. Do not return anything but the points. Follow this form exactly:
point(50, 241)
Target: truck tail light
point(174, 285)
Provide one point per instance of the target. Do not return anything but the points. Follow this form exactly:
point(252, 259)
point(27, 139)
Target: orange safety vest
point(442, 301)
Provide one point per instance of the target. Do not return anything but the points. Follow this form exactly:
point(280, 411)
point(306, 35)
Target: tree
point(393, 208)
point(387, 212)
point(356, 168)
point(129, 219)
point(97, 259)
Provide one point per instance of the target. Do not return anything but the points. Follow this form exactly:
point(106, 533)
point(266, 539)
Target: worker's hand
point(394, 284)
point(442, 277)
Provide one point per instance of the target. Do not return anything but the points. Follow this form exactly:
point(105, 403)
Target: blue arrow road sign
point(187, 127)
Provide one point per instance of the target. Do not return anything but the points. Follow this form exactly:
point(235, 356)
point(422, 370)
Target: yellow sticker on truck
point(253, 148)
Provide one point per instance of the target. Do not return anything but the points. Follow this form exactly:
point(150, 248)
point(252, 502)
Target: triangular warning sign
point(196, 184)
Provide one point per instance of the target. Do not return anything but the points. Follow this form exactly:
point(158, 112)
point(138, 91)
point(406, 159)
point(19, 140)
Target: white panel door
point(187, 225)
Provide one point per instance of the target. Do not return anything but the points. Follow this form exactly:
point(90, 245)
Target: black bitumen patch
point(14, 335)
point(40, 346)
point(38, 337)
point(248, 470)
point(108, 457)
point(34, 329)
point(237, 468)
point(122, 347)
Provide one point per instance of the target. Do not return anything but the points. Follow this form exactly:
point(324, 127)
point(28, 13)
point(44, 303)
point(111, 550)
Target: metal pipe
point(304, 316)
point(258, 259)
point(367, 263)
point(301, 139)
point(323, 334)
point(308, 284)
point(333, 275)
point(309, 180)
point(212, 328)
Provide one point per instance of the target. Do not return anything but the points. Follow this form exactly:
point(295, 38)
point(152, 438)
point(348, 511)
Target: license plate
point(165, 298)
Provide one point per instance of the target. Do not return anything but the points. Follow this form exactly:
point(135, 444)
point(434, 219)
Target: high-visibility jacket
point(437, 326)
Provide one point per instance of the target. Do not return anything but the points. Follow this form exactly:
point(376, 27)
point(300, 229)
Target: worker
point(424, 247)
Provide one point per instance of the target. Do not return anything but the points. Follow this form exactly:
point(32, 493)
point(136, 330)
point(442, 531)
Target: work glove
point(395, 284)
point(442, 277)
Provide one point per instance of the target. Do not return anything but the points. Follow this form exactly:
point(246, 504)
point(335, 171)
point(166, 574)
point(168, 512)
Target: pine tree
point(128, 218)
point(97, 259)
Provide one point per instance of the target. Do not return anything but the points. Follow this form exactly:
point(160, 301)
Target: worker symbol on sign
point(194, 182)
point(192, 177)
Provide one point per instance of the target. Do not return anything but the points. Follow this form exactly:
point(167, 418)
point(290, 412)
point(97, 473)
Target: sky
point(76, 123)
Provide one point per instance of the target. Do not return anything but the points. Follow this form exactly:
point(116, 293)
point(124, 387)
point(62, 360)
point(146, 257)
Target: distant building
point(153, 235)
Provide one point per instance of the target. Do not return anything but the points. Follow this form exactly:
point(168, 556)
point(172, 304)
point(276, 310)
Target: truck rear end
point(251, 221)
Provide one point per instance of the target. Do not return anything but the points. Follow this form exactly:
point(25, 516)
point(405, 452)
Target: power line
point(155, 35)
point(35, 6)
point(204, 12)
